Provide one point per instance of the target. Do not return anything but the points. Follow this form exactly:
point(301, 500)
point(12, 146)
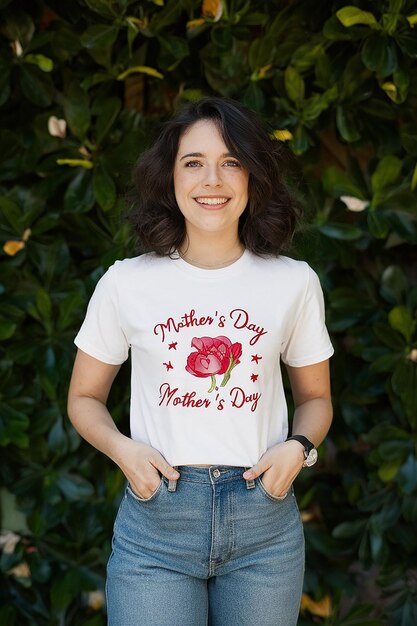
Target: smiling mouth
point(212, 202)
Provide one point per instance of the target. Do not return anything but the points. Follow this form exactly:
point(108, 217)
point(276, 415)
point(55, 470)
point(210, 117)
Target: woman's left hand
point(279, 465)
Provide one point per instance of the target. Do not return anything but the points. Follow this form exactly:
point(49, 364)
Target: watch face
point(311, 458)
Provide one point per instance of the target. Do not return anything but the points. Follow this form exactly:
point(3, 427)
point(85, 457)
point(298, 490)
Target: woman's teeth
point(212, 201)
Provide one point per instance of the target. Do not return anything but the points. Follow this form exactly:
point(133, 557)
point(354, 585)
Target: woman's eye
point(192, 164)
point(232, 163)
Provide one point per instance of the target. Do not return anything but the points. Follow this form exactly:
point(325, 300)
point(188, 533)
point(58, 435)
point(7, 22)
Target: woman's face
point(211, 186)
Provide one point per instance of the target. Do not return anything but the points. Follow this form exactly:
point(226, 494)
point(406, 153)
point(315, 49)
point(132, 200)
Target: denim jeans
point(208, 549)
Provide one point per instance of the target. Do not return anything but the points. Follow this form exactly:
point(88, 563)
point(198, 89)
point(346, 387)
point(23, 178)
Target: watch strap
point(308, 445)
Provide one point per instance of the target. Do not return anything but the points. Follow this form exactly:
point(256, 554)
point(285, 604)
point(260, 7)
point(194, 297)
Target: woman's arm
point(310, 386)
point(90, 385)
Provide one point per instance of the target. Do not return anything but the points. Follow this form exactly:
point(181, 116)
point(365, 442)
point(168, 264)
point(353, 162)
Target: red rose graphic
point(215, 355)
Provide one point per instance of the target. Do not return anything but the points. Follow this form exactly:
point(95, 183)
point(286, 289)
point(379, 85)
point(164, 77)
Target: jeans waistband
point(214, 473)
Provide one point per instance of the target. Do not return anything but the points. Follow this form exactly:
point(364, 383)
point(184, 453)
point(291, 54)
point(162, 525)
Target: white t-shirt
point(206, 346)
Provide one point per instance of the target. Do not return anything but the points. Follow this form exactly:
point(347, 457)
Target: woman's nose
point(212, 176)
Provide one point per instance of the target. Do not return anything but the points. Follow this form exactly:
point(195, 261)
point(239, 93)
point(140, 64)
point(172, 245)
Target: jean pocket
point(151, 497)
point(271, 495)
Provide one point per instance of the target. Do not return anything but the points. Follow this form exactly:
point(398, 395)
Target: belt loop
point(250, 483)
point(172, 482)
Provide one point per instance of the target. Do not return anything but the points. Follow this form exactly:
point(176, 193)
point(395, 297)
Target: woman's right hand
point(140, 464)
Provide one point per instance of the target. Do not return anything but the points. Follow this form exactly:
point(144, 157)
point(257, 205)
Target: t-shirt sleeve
point(308, 341)
point(101, 334)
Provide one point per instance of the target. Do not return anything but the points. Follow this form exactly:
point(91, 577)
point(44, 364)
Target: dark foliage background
point(338, 83)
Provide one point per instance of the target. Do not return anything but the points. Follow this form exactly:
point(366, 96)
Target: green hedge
point(339, 84)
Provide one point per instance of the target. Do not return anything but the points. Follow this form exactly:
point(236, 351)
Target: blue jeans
point(208, 549)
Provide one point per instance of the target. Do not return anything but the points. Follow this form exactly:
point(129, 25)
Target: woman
point(208, 530)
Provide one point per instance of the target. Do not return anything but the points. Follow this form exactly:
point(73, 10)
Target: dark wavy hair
point(267, 224)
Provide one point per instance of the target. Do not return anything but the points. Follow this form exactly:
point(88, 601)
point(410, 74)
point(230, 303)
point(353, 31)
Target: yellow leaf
point(322, 608)
point(283, 135)
point(412, 20)
point(136, 22)
point(13, 247)
point(414, 179)
point(195, 23)
point(76, 163)
point(264, 70)
point(261, 72)
point(213, 9)
point(140, 69)
point(26, 234)
point(20, 571)
point(391, 90)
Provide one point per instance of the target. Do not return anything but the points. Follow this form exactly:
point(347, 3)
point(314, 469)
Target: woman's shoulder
point(282, 263)
point(148, 261)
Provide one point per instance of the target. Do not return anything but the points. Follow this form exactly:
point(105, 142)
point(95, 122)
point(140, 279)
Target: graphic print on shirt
point(215, 355)
point(212, 357)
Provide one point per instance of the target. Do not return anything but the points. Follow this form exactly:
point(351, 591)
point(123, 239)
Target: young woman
point(208, 530)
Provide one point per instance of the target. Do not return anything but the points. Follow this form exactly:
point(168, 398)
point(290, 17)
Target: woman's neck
point(211, 254)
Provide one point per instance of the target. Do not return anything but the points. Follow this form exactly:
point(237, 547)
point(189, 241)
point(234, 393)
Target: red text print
point(241, 320)
point(186, 321)
point(188, 400)
point(240, 398)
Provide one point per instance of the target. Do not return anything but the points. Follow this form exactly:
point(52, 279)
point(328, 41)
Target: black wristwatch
point(310, 452)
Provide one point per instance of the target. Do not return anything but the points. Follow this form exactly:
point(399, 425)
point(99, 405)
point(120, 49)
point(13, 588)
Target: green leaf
point(43, 304)
point(13, 427)
point(102, 7)
point(76, 108)
point(104, 187)
point(254, 97)
point(407, 43)
point(107, 114)
point(36, 85)
point(11, 211)
point(351, 15)
point(401, 319)
point(300, 141)
point(388, 336)
point(99, 36)
point(337, 184)
point(394, 284)
point(386, 173)
point(344, 232)
point(79, 196)
point(379, 54)
point(75, 487)
point(44, 63)
point(7, 329)
point(294, 85)
point(350, 530)
point(388, 470)
point(346, 125)
point(378, 224)
point(57, 438)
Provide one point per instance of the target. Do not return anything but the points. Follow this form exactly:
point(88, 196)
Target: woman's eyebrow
point(200, 154)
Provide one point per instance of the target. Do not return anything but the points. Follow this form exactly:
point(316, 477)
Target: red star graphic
point(254, 377)
point(168, 365)
point(256, 358)
point(173, 345)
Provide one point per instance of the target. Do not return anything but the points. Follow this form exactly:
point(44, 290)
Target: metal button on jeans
point(216, 473)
